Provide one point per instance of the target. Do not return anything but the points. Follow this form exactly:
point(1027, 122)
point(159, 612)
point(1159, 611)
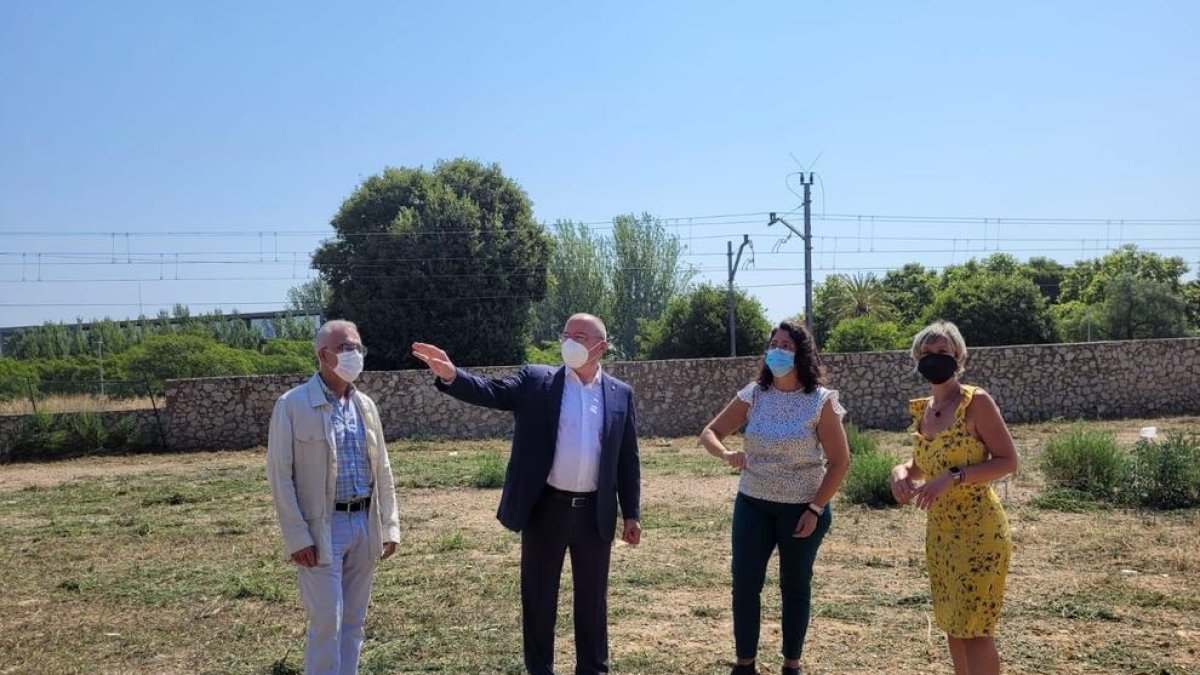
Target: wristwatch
point(958, 475)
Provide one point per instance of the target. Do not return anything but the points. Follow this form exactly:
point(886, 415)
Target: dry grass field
point(170, 564)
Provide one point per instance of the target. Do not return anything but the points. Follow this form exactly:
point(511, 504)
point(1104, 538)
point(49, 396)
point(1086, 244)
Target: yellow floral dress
point(966, 536)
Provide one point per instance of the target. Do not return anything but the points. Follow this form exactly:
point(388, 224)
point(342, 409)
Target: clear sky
point(162, 118)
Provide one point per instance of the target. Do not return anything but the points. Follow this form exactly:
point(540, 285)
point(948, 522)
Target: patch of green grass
point(915, 600)
point(1067, 500)
point(682, 461)
point(1077, 606)
point(853, 613)
point(1119, 658)
point(490, 471)
point(695, 519)
point(471, 466)
point(452, 541)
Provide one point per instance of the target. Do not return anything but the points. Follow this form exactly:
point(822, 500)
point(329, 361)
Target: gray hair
point(328, 327)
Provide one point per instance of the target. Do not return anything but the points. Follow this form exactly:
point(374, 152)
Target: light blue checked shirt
point(354, 469)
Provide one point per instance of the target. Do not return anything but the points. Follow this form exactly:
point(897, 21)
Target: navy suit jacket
point(534, 396)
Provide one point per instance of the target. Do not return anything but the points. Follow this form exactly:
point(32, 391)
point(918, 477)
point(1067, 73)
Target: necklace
point(937, 410)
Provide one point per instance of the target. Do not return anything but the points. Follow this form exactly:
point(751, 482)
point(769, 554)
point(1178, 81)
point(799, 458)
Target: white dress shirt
point(576, 466)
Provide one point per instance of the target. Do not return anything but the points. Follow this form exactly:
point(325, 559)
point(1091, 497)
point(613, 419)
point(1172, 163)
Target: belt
point(351, 507)
point(578, 500)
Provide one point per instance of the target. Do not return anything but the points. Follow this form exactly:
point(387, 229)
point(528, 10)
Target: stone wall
point(676, 398)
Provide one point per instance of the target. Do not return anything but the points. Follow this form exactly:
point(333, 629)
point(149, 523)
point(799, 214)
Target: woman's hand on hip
point(807, 524)
point(735, 458)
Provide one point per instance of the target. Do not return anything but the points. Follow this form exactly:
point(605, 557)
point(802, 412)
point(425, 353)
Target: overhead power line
point(747, 218)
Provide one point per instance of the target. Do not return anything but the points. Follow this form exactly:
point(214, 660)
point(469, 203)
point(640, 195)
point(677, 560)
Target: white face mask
point(574, 354)
point(349, 365)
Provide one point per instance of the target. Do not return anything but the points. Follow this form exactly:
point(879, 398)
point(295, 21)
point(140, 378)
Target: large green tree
point(994, 309)
point(1088, 280)
point(450, 256)
point(1048, 275)
point(580, 279)
point(1142, 308)
point(647, 273)
point(310, 297)
point(910, 290)
point(696, 325)
point(1191, 296)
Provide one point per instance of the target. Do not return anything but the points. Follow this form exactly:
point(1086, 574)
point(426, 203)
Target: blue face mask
point(780, 361)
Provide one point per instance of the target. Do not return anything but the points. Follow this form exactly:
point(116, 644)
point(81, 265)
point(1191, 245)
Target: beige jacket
point(302, 471)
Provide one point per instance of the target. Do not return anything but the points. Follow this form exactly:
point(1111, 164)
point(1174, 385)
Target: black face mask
point(937, 368)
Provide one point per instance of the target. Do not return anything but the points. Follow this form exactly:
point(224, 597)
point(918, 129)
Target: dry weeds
point(169, 564)
point(73, 403)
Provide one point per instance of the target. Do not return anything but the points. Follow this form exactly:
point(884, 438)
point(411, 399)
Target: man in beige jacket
point(331, 481)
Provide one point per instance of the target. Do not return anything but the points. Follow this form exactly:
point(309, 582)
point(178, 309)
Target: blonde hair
point(942, 330)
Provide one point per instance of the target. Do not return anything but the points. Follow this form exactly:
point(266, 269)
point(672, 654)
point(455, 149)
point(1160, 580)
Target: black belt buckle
point(352, 507)
point(578, 502)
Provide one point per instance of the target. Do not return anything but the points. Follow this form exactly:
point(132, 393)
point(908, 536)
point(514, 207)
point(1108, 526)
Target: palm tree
point(858, 295)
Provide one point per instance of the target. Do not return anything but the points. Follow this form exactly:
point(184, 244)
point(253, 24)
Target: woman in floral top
point(794, 460)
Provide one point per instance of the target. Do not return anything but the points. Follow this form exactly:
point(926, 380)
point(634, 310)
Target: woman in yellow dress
point(961, 445)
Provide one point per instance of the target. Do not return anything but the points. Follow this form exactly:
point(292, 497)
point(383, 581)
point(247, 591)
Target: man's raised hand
point(436, 359)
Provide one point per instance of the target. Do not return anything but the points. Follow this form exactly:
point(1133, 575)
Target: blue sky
point(208, 117)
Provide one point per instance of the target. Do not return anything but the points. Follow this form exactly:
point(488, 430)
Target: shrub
point(86, 432)
point(164, 357)
point(1088, 462)
point(301, 348)
point(282, 364)
point(865, 334)
point(15, 379)
point(43, 436)
point(549, 353)
point(1166, 474)
point(870, 479)
point(860, 443)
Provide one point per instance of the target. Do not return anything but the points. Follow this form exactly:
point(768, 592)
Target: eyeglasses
point(347, 347)
point(578, 337)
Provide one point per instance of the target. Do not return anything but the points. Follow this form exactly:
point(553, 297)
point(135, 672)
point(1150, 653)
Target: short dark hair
point(808, 361)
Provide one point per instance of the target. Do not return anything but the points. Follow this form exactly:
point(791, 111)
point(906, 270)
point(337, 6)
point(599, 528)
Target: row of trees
point(452, 255)
point(128, 356)
point(1126, 294)
point(85, 340)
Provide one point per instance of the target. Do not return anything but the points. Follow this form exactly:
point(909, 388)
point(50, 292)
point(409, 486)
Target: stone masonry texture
point(1144, 378)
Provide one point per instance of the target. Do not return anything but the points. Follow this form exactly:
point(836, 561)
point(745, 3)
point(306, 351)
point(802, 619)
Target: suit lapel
point(557, 381)
point(611, 403)
point(604, 401)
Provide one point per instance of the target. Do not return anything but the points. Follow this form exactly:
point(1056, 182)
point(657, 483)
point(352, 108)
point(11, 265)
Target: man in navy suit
point(574, 461)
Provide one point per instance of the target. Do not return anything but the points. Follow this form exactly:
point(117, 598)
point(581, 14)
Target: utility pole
point(733, 267)
point(100, 345)
point(807, 237)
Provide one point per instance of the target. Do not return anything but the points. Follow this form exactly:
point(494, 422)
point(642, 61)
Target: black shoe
point(743, 669)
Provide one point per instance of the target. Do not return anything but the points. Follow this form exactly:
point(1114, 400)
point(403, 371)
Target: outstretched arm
point(499, 393)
